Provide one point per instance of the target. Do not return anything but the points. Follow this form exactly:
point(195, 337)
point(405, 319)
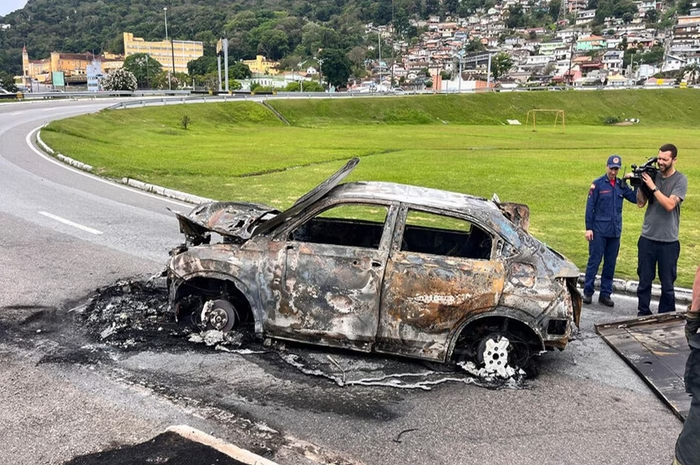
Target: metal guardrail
point(160, 97)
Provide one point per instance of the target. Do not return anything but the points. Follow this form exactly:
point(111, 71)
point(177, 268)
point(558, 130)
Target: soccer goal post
point(558, 116)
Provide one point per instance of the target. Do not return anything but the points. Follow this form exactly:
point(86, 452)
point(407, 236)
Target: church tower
point(25, 65)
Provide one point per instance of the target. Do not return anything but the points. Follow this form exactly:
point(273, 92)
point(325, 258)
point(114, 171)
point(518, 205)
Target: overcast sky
point(7, 6)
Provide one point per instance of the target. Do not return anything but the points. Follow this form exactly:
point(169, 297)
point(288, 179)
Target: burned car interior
point(464, 240)
point(339, 227)
point(380, 267)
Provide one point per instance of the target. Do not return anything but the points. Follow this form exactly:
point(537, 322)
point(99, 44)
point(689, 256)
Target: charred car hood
point(233, 220)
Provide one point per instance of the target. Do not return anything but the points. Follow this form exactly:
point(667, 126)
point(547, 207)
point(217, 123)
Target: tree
point(474, 45)
point(500, 65)
point(651, 16)
point(553, 10)
point(7, 82)
point(239, 70)
point(692, 71)
point(516, 17)
point(202, 65)
point(144, 68)
point(335, 67)
point(120, 79)
point(683, 7)
point(450, 6)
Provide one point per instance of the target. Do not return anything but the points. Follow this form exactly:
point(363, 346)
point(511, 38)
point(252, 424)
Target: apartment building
point(164, 51)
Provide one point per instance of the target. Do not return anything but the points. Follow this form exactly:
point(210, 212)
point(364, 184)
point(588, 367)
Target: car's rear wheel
point(219, 315)
point(506, 355)
point(494, 353)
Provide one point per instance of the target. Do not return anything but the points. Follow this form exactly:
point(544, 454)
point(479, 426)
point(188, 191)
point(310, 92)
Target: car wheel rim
point(219, 315)
point(494, 353)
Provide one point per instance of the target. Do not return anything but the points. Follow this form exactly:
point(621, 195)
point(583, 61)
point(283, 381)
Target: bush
point(185, 121)
point(611, 120)
point(120, 79)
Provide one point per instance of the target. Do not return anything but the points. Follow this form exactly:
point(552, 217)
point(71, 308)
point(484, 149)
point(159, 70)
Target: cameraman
point(603, 229)
point(659, 243)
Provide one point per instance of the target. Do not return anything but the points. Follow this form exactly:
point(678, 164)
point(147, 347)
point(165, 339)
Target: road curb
point(235, 452)
point(683, 295)
point(165, 192)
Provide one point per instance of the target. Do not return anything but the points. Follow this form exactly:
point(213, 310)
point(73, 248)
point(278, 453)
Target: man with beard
point(658, 244)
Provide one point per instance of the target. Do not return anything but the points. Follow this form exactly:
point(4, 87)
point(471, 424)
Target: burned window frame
point(390, 221)
point(496, 240)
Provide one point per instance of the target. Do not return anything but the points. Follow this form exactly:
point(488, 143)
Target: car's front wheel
point(219, 315)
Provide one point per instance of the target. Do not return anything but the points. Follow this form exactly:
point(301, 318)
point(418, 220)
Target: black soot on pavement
point(133, 315)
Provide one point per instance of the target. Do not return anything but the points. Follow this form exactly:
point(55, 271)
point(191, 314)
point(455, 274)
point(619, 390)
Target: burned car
point(379, 267)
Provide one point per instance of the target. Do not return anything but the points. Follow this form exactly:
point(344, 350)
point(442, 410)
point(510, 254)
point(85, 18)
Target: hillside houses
point(568, 53)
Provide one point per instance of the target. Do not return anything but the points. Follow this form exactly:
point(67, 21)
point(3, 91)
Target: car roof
point(476, 207)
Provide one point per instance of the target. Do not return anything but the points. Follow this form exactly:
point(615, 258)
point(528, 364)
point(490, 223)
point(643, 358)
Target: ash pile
point(133, 314)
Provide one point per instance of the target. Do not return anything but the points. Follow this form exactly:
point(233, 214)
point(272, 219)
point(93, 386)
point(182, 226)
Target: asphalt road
point(65, 233)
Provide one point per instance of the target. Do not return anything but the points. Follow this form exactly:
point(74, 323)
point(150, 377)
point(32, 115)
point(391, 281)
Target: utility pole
point(219, 47)
point(172, 48)
point(225, 45)
point(460, 54)
point(569, 78)
point(488, 74)
point(379, 63)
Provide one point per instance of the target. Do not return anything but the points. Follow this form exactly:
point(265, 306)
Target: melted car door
point(331, 279)
point(440, 271)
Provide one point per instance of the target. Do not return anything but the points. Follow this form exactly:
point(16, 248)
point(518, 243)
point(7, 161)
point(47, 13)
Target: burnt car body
point(382, 267)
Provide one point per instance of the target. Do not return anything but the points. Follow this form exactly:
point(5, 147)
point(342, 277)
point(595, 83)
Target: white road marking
point(70, 223)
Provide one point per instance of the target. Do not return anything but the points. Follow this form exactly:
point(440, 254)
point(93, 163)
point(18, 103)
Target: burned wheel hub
point(218, 314)
point(494, 352)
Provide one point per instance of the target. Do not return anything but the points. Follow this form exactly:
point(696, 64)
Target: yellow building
point(184, 51)
point(72, 65)
point(261, 65)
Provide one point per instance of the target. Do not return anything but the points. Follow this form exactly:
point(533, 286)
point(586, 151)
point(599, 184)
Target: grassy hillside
point(241, 151)
point(673, 107)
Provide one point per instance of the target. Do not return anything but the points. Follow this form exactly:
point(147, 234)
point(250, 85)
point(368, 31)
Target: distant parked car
point(383, 267)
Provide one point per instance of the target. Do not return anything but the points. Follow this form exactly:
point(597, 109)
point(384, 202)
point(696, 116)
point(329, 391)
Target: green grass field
point(241, 151)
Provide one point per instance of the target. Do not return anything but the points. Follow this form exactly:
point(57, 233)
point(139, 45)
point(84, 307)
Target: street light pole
point(301, 83)
point(165, 15)
point(569, 78)
point(379, 41)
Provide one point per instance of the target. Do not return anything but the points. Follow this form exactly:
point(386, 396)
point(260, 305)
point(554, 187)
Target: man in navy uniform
point(604, 227)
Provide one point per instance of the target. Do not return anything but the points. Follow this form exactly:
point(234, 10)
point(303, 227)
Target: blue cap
point(614, 161)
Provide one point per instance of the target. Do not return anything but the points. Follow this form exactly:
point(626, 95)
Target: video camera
point(649, 167)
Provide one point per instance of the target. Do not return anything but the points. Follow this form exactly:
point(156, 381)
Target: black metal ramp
point(655, 347)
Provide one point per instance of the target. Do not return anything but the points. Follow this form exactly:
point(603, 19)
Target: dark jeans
point(649, 254)
point(606, 249)
point(688, 444)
